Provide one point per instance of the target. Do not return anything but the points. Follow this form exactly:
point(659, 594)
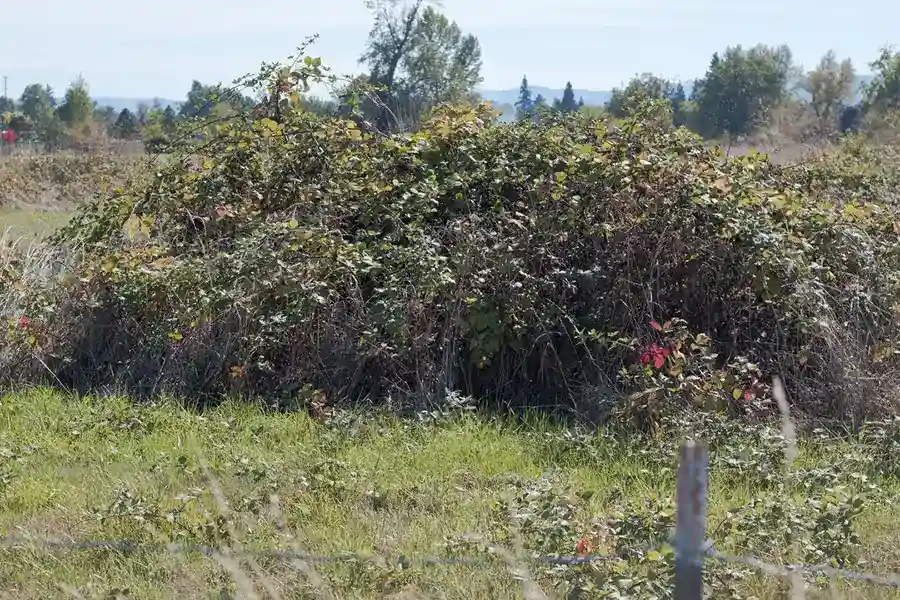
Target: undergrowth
point(590, 267)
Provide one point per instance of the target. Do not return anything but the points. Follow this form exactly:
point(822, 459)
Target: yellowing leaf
point(108, 265)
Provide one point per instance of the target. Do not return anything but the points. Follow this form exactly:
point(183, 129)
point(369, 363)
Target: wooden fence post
point(690, 535)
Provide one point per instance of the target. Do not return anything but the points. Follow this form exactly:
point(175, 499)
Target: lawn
point(387, 488)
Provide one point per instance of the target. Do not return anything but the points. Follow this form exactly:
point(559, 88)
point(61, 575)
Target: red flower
point(24, 321)
point(748, 395)
point(582, 547)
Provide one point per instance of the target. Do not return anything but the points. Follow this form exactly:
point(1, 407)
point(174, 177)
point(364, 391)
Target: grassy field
point(29, 224)
point(107, 469)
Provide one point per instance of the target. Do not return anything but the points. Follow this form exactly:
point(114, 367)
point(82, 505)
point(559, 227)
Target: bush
point(520, 263)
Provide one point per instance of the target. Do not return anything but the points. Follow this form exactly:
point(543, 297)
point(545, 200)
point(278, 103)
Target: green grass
point(31, 224)
point(373, 484)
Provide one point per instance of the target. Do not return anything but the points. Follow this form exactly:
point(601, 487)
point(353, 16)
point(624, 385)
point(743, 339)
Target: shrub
point(520, 263)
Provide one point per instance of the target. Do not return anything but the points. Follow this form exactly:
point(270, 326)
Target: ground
point(379, 485)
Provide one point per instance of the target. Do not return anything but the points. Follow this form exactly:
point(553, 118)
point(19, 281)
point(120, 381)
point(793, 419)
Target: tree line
point(416, 58)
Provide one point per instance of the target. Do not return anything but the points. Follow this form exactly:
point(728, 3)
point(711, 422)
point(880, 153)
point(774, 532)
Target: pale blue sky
point(155, 48)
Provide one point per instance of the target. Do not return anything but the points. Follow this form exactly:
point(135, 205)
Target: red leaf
point(645, 358)
point(581, 547)
point(655, 325)
point(748, 396)
point(24, 321)
point(659, 360)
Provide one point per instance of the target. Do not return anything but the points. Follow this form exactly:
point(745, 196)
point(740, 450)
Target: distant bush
point(566, 263)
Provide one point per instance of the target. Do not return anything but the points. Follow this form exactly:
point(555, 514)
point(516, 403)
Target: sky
point(151, 49)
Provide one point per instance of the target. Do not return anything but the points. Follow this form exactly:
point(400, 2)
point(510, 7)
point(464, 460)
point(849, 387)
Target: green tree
point(624, 101)
point(38, 106)
point(199, 101)
point(830, 85)
point(524, 104)
point(680, 110)
point(7, 105)
point(105, 114)
point(318, 106)
point(37, 102)
point(419, 58)
point(77, 108)
point(389, 41)
point(741, 87)
point(169, 119)
point(143, 113)
point(567, 103)
point(127, 125)
point(442, 64)
point(202, 100)
point(883, 93)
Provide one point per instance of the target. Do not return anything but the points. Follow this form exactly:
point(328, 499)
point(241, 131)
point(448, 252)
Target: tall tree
point(741, 87)
point(169, 119)
point(883, 92)
point(203, 99)
point(524, 104)
point(77, 107)
point(567, 103)
point(389, 40)
point(143, 113)
point(645, 87)
point(418, 58)
point(197, 99)
point(37, 102)
point(677, 97)
point(442, 64)
point(318, 106)
point(38, 105)
point(7, 105)
point(127, 125)
point(830, 86)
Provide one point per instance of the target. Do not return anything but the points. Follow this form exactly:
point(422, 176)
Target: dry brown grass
point(59, 181)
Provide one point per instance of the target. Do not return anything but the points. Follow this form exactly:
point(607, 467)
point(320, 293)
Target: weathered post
point(690, 535)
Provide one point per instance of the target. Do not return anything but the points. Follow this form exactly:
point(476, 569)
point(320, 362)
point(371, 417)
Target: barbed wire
point(14, 543)
point(130, 546)
point(892, 580)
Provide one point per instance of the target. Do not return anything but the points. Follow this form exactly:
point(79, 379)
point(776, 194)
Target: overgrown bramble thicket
point(569, 262)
